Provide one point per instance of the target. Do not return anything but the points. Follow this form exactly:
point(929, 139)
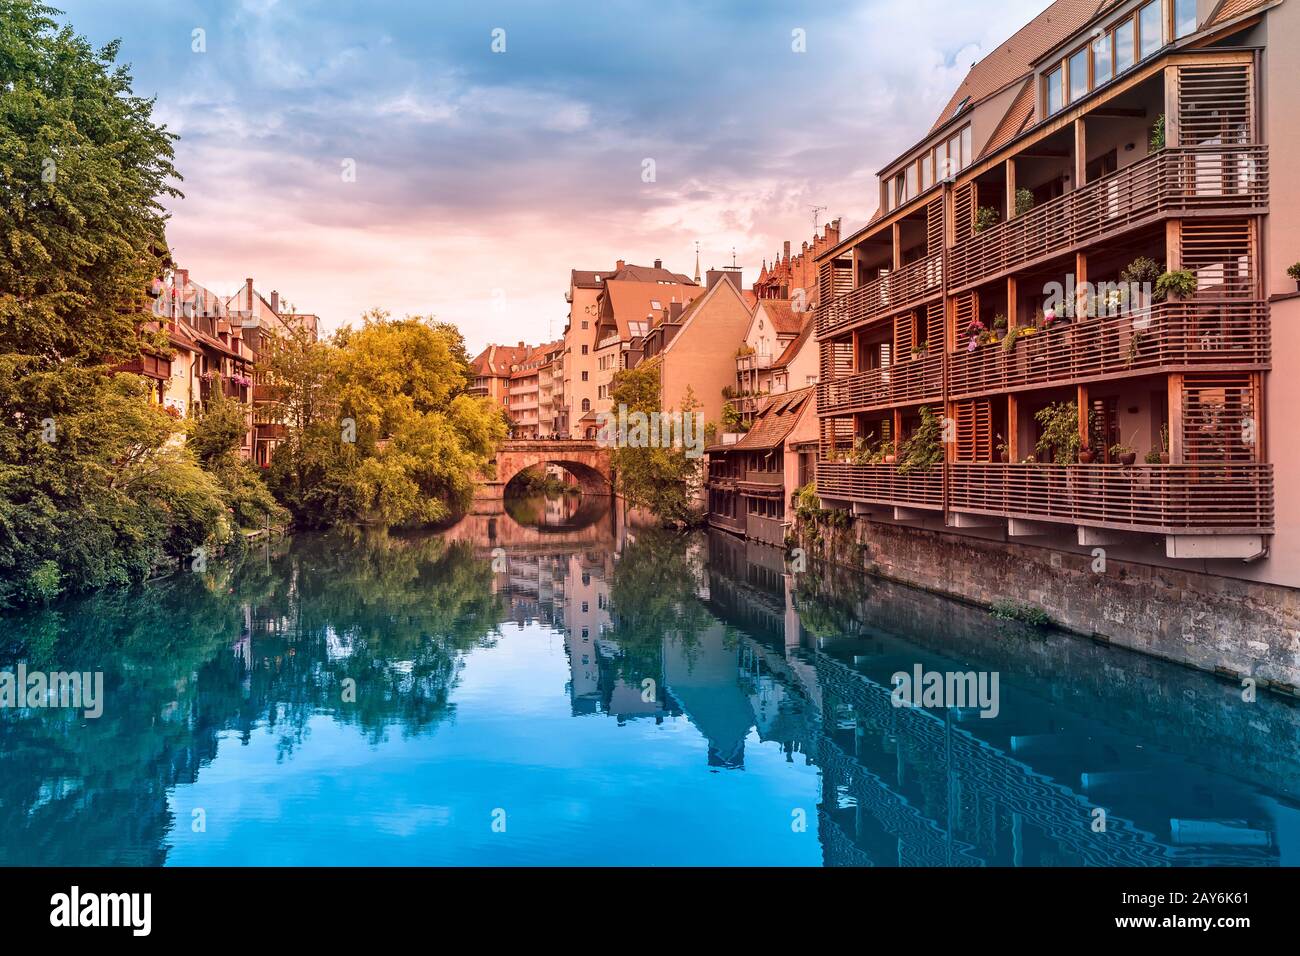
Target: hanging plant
point(924, 449)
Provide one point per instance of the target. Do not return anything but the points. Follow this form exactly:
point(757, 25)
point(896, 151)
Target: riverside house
point(1080, 272)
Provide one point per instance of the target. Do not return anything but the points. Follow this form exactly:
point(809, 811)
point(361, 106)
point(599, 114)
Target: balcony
point(1204, 498)
point(1176, 180)
point(753, 362)
point(887, 295)
point(906, 383)
point(880, 484)
point(765, 530)
point(1169, 337)
point(753, 480)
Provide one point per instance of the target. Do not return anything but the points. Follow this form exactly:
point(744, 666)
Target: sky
point(458, 159)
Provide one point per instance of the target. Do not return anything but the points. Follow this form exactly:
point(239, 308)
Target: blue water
point(552, 686)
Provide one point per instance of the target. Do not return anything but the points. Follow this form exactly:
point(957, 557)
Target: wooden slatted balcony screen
point(966, 310)
point(1201, 179)
point(908, 382)
point(904, 333)
point(974, 419)
point(1215, 105)
point(880, 298)
point(825, 284)
point(836, 359)
point(836, 435)
point(963, 210)
point(934, 227)
point(1193, 335)
point(934, 327)
point(1220, 253)
point(1219, 418)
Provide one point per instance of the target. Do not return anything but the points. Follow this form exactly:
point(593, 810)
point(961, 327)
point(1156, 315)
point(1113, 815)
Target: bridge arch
point(587, 461)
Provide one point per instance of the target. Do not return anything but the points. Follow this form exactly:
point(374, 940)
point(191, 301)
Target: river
point(553, 684)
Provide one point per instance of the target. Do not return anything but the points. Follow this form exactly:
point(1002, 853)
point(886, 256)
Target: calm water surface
point(551, 686)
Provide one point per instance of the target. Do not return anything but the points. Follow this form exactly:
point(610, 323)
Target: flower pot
point(1164, 458)
point(891, 459)
point(1128, 458)
point(1085, 456)
point(1004, 457)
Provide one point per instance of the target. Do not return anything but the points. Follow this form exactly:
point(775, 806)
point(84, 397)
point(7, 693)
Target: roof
point(633, 301)
point(596, 279)
point(1014, 123)
point(776, 419)
point(1012, 59)
point(496, 360)
point(780, 312)
point(1231, 9)
point(791, 350)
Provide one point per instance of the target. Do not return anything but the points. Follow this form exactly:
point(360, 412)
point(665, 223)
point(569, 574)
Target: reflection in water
point(627, 696)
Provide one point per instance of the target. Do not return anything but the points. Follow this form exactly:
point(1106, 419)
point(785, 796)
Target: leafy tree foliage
point(381, 429)
point(664, 481)
point(93, 490)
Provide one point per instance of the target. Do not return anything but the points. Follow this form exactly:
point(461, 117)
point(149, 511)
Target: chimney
point(248, 292)
point(787, 250)
point(674, 310)
point(659, 263)
point(619, 265)
point(275, 302)
point(521, 344)
point(729, 273)
point(182, 278)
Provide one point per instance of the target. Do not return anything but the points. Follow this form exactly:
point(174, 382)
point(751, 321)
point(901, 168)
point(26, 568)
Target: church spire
point(697, 263)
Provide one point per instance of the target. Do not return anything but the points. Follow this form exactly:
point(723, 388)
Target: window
point(927, 171)
point(1184, 18)
point(1150, 31)
point(1079, 75)
point(910, 180)
point(586, 402)
point(1054, 91)
point(584, 324)
point(887, 196)
point(584, 350)
point(954, 155)
point(584, 376)
point(900, 189)
point(965, 147)
point(1102, 61)
point(1124, 46)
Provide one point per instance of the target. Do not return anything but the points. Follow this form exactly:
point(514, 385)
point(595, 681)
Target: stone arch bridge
point(587, 461)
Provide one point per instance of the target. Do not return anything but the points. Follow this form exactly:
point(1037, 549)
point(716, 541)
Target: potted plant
point(986, 217)
point(1164, 444)
point(1060, 434)
point(1085, 456)
point(1024, 201)
point(1152, 457)
point(1178, 284)
point(1123, 454)
point(1004, 451)
point(919, 350)
point(1293, 271)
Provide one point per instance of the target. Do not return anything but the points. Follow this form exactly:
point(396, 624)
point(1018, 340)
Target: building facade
point(1075, 292)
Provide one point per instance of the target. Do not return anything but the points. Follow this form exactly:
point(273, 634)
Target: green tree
point(381, 428)
point(664, 481)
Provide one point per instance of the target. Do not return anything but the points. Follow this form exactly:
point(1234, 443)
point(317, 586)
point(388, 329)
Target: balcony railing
point(1171, 337)
point(892, 293)
point(1173, 180)
point(765, 530)
point(763, 479)
point(1205, 498)
point(748, 363)
point(880, 484)
point(905, 383)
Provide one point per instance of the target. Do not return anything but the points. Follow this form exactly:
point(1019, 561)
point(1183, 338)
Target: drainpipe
point(943, 285)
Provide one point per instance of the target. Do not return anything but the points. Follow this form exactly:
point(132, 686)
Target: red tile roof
point(791, 350)
point(1012, 59)
point(780, 312)
point(776, 419)
point(1231, 9)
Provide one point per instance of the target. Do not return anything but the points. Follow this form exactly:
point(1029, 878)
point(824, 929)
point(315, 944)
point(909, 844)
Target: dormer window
point(961, 106)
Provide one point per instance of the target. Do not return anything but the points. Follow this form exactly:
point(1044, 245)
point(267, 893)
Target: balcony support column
point(1176, 419)
point(1084, 437)
point(1080, 153)
point(896, 239)
point(1013, 311)
point(1080, 286)
point(1010, 166)
point(1013, 428)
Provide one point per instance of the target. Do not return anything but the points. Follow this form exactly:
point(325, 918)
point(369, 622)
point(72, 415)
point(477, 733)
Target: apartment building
point(530, 415)
point(609, 313)
point(1076, 283)
point(694, 346)
point(550, 386)
point(491, 371)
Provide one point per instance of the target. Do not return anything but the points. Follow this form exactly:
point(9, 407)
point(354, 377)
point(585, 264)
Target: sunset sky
point(482, 177)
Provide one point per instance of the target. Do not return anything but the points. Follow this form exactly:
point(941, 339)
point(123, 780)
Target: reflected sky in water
point(610, 694)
